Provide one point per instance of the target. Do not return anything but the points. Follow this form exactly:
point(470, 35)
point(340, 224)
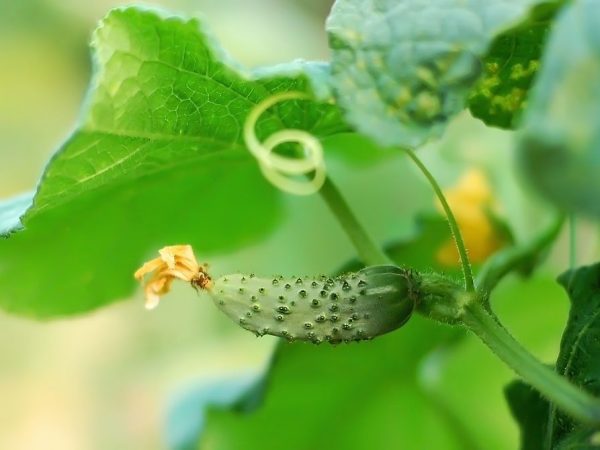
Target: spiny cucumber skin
point(353, 307)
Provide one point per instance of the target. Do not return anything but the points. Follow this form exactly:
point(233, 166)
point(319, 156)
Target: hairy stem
point(368, 251)
point(454, 229)
point(568, 397)
point(518, 257)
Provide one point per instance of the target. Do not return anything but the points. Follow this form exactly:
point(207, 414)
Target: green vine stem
point(368, 251)
point(551, 385)
point(523, 256)
point(454, 228)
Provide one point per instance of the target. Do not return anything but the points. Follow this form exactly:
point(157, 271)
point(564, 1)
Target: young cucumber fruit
point(352, 307)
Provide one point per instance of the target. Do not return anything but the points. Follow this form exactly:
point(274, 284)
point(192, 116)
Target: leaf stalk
point(454, 228)
point(368, 251)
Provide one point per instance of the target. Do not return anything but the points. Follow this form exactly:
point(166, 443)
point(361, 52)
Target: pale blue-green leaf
point(560, 144)
point(11, 211)
point(186, 413)
point(402, 68)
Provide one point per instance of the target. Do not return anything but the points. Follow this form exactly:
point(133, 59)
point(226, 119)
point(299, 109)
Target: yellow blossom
point(471, 200)
point(175, 261)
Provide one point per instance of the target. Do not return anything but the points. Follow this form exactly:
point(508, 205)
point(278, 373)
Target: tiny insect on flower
point(175, 261)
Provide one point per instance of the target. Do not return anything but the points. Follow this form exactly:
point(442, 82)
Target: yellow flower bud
point(472, 201)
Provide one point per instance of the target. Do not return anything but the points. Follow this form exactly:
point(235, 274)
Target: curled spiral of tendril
point(279, 169)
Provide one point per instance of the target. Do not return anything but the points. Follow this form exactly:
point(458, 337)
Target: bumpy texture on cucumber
point(351, 307)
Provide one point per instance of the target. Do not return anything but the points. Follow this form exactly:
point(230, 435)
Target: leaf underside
point(402, 68)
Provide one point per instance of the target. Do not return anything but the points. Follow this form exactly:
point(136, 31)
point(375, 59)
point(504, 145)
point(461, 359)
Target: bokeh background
point(105, 380)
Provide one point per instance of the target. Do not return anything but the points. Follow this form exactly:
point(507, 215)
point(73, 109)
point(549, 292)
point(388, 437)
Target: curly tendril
point(279, 169)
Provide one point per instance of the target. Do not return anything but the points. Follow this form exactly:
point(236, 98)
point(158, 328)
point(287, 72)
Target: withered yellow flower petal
point(148, 267)
point(154, 289)
point(175, 261)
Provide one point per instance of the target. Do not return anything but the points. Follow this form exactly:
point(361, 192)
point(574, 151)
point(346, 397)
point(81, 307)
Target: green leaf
point(560, 144)
point(530, 410)
point(579, 357)
point(157, 159)
point(350, 396)
point(401, 68)
point(509, 68)
point(542, 425)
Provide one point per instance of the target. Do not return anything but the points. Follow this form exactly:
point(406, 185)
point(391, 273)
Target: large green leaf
point(560, 145)
point(401, 68)
point(157, 159)
point(346, 397)
point(509, 68)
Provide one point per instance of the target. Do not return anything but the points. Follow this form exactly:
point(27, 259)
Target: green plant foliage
point(310, 386)
point(470, 373)
point(158, 158)
point(300, 377)
point(561, 137)
point(509, 68)
point(586, 438)
point(430, 233)
point(445, 386)
point(579, 357)
point(542, 425)
point(11, 212)
point(401, 68)
point(530, 410)
point(336, 397)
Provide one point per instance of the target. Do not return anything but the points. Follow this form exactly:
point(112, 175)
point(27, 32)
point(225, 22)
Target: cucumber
point(351, 307)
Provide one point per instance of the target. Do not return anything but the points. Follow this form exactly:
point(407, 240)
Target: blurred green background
point(103, 380)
